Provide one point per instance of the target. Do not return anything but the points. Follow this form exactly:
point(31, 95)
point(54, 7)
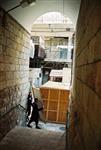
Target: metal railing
point(56, 56)
point(15, 107)
point(20, 114)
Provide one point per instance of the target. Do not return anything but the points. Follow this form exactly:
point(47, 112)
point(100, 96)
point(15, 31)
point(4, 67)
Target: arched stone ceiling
point(26, 16)
point(52, 24)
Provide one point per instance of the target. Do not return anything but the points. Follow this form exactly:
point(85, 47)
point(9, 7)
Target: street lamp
point(24, 3)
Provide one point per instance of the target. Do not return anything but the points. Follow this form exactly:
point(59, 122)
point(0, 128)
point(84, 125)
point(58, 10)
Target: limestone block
point(17, 67)
point(3, 85)
point(1, 30)
point(98, 78)
point(7, 34)
point(88, 135)
point(24, 80)
point(9, 51)
point(88, 75)
point(12, 67)
point(2, 110)
point(9, 67)
point(97, 46)
point(87, 29)
point(2, 76)
point(1, 51)
point(3, 39)
point(2, 67)
point(16, 61)
point(18, 40)
point(91, 50)
point(9, 59)
point(94, 112)
point(81, 73)
point(11, 26)
point(82, 97)
point(83, 57)
point(9, 83)
point(1, 58)
point(91, 75)
point(10, 43)
point(96, 19)
point(9, 75)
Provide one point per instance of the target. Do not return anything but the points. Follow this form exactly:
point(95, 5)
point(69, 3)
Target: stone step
point(22, 138)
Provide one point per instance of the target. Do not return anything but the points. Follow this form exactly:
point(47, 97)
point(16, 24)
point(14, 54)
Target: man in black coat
point(35, 114)
point(29, 103)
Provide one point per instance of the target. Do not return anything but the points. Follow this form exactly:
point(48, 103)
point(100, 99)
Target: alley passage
point(33, 139)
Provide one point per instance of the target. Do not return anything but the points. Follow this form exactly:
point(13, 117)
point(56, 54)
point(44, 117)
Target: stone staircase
point(23, 138)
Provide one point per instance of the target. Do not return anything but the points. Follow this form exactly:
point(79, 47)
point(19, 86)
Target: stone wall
point(85, 103)
point(14, 70)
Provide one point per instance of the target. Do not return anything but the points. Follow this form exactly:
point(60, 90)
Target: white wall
point(33, 74)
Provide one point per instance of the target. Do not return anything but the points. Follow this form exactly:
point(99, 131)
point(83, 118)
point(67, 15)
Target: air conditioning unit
point(25, 3)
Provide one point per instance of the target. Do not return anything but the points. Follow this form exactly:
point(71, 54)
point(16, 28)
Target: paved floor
point(51, 126)
point(33, 139)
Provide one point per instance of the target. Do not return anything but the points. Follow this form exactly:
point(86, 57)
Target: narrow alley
point(50, 74)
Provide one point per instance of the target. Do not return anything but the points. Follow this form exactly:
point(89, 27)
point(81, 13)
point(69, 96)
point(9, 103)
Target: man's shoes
point(38, 127)
point(29, 126)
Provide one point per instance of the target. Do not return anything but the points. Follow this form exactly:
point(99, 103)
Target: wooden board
point(55, 104)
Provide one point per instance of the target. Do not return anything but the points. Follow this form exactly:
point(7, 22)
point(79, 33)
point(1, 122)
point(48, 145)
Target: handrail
point(17, 106)
point(22, 107)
